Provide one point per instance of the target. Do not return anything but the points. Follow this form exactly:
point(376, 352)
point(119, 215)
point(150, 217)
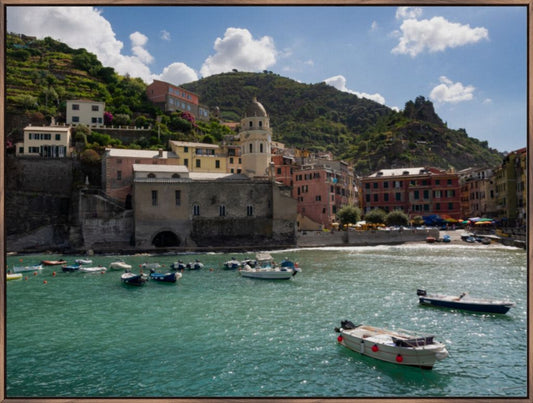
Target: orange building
point(171, 98)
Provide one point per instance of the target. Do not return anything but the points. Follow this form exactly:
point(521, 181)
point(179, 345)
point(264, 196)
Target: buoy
point(339, 339)
point(45, 282)
point(54, 273)
point(399, 358)
point(375, 348)
point(25, 277)
point(34, 273)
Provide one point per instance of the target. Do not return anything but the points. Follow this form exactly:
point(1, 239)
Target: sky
point(471, 62)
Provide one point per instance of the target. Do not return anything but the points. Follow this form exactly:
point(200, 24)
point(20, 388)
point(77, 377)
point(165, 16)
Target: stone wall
point(362, 238)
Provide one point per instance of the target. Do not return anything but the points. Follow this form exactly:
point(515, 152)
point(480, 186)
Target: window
point(398, 196)
point(95, 108)
point(222, 211)
point(260, 123)
point(278, 171)
point(151, 175)
point(386, 197)
point(426, 194)
point(177, 194)
point(75, 107)
point(75, 119)
point(231, 160)
point(249, 210)
point(217, 164)
point(185, 149)
point(416, 194)
point(251, 124)
point(186, 162)
point(196, 210)
point(318, 198)
point(450, 206)
point(198, 163)
point(119, 175)
point(175, 176)
point(58, 137)
point(250, 148)
point(94, 120)
point(261, 147)
point(376, 198)
point(154, 197)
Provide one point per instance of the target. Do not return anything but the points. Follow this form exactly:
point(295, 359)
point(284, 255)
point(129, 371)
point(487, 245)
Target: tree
point(348, 214)
point(376, 216)
point(418, 220)
point(397, 217)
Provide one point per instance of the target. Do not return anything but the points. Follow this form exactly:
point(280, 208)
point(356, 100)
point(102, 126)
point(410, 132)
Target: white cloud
point(374, 26)
point(239, 50)
point(138, 41)
point(435, 35)
point(165, 35)
point(451, 92)
point(177, 74)
point(403, 13)
point(339, 82)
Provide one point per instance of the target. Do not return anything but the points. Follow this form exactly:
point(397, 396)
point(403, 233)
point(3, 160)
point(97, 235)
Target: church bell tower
point(255, 140)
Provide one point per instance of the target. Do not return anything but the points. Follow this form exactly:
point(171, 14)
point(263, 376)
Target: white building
point(86, 112)
point(45, 141)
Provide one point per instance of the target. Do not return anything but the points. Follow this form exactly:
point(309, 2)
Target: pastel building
point(415, 191)
point(86, 112)
point(46, 142)
point(170, 98)
point(117, 169)
point(200, 157)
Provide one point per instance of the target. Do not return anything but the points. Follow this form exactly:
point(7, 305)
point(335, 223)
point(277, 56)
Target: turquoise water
point(215, 334)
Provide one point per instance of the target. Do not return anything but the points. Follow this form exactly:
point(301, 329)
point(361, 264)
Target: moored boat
point(179, 266)
point(149, 266)
point(70, 268)
point(83, 261)
point(13, 276)
point(133, 279)
point(266, 269)
point(398, 347)
point(465, 302)
point(119, 265)
point(196, 265)
point(232, 264)
point(170, 277)
point(53, 262)
point(97, 269)
point(25, 269)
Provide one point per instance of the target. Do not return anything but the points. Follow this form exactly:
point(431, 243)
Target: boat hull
point(165, 278)
point(487, 307)
point(381, 347)
point(26, 269)
point(11, 277)
point(133, 279)
point(268, 274)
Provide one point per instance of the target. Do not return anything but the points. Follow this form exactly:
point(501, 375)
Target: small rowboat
point(13, 276)
point(164, 277)
point(25, 269)
point(133, 279)
point(465, 302)
point(397, 347)
point(70, 268)
point(98, 269)
point(53, 262)
point(119, 265)
point(83, 261)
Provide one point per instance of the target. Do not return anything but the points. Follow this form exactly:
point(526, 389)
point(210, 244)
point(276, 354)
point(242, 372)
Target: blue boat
point(179, 266)
point(164, 277)
point(232, 264)
point(464, 302)
point(133, 279)
point(71, 268)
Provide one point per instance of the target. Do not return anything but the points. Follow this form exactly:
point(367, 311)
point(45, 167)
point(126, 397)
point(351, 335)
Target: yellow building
point(45, 141)
point(200, 157)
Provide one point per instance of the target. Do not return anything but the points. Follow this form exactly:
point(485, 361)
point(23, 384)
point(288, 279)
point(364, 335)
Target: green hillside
point(42, 74)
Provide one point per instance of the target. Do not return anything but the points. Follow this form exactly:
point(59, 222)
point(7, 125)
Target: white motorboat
point(97, 269)
point(25, 269)
point(149, 266)
point(398, 347)
point(120, 265)
point(83, 261)
point(266, 269)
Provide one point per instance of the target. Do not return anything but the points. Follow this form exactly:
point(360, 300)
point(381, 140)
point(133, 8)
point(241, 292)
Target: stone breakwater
point(363, 238)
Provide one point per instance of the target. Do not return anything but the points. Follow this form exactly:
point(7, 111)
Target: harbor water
point(216, 334)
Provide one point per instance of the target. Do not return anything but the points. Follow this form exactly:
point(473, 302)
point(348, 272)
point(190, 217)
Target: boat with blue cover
point(170, 277)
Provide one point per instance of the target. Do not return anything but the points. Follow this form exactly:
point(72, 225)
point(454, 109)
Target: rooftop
point(125, 152)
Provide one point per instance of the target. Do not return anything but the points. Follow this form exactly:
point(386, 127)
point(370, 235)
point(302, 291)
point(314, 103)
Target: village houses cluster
point(166, 188)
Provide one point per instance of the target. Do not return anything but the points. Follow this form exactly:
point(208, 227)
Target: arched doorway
point(165, 238)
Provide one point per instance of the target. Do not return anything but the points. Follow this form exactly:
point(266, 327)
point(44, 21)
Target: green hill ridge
point(42, 74)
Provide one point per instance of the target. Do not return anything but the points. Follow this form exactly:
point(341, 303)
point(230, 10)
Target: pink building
point(117, 169)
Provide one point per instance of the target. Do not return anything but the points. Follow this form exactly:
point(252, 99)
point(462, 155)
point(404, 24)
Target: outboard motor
point(346, 324)
point(421, 293)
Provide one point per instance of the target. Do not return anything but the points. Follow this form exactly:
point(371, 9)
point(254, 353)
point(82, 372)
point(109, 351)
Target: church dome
point(255, 109)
